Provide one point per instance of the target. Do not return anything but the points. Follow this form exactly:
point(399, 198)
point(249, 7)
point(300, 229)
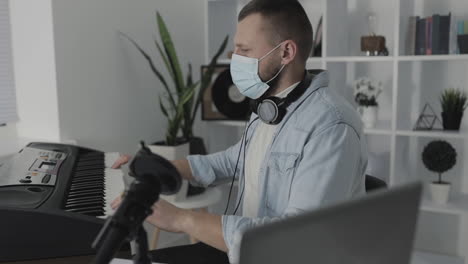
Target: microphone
point(153, 175)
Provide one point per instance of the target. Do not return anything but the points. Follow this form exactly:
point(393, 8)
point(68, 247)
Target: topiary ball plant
point(439, 156)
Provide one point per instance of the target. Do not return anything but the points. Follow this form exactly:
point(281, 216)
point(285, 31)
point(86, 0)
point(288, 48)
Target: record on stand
point(222, 100)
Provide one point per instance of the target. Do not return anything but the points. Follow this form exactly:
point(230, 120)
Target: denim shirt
point(318, 157)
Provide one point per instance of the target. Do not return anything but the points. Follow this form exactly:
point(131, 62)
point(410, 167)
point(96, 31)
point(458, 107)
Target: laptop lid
point(377, 228)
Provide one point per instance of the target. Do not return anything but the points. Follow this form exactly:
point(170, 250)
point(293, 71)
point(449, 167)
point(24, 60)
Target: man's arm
point(183, 167)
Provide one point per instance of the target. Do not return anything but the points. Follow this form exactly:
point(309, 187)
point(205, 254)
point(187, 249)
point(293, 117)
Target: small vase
point(369, 116)
point(452, 121)
point(440, 192)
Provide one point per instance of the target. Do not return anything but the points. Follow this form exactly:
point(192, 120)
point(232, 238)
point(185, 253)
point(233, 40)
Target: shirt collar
point(285, 92)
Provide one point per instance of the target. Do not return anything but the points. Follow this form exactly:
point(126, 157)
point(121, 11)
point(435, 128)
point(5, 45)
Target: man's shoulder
point(324, 108)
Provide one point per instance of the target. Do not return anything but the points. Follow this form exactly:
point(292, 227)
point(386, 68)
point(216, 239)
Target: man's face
point(254, 38)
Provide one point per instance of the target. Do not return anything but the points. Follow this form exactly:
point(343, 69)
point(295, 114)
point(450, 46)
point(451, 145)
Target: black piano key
point(83, 200)
point(89, 208)
point(84, 205)
point(86, 186)
point(89, 172)
point(87, 189)
point(88, 179)
point(92, 155)
point(89, 167)
point(87, 193)
point(89, 162)
point(84, 169)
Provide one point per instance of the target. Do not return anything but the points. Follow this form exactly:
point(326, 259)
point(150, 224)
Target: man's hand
point(124, 159)
point(165, 215)
point(169, 217)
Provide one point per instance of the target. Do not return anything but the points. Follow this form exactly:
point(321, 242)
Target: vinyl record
point(227, 98)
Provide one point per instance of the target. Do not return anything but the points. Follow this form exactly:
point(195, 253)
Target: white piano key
point(114, 186)
point(110, 158)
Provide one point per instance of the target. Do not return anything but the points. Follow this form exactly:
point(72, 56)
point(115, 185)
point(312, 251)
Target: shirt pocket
point(280, 171)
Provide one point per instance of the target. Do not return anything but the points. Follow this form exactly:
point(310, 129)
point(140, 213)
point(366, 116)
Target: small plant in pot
point(179, 103)
point(365, 95)
point(453, 102)
point(439, 156)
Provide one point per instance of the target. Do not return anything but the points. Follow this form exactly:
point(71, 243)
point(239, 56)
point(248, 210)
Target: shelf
point(229, 123)
point(224, 61)
point(452, 57)
point(457, 204)
point(359, 59)
point(377, 131)
point(432, 134)
point(433, 57)
point(423, 257)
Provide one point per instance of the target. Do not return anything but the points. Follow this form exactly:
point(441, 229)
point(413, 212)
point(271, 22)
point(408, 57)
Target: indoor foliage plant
point(453, 102)
point(439, 156)
point(365, 95)
point(181, 100)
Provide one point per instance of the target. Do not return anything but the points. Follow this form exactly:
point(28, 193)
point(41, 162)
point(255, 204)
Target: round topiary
point(439, 156)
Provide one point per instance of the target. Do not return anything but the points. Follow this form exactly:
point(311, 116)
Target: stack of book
point(429, 35)
point(462, 31)
point(462, 27)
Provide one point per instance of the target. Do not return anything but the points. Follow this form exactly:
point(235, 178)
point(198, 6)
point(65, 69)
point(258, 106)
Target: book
point(420, 36)
point(428, 38)
point(411, 36)
point(461, 27)
point(436, 34)
point(444, 34)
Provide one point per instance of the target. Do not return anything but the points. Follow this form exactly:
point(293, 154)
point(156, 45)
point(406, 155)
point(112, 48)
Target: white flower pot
point(439, 192)
point(173, 153)
point(369, 116)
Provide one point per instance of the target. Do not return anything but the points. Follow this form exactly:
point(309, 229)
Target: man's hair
point(288, 18)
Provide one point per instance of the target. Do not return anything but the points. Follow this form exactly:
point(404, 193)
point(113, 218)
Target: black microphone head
point(153, 169)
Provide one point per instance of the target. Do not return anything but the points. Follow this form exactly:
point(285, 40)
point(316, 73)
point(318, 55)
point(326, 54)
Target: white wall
point(34, 69)
point(107, 93)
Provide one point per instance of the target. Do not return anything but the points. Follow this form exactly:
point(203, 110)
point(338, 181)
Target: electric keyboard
point(53, 199)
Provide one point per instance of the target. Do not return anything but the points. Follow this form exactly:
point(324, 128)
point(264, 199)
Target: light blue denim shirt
point(318, 157)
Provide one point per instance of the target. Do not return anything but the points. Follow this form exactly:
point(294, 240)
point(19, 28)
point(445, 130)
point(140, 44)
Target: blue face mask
point(244, 73)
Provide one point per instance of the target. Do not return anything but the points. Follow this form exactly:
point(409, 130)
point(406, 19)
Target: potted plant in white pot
point(453, 102)
point(365, 95)
point(439, 156)
point(181, 100)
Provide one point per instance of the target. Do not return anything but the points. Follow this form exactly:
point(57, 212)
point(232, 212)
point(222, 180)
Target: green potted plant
point(439, 156)
point(181, 100)
point(453, 102)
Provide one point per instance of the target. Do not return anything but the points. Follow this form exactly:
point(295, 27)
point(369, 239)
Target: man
point(316, 155)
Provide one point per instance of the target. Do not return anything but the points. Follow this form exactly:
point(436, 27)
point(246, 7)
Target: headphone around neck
point(271, 109)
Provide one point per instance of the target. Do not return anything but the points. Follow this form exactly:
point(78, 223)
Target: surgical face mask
point(244, 73)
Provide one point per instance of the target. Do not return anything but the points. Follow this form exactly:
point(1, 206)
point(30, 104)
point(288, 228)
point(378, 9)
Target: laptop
point(377, 228)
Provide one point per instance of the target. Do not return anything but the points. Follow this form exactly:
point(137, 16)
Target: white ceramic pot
point(173, 153)
point(369, 115)
point(440, 192)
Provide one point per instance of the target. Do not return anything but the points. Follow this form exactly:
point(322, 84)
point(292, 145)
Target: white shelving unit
point(409, 83)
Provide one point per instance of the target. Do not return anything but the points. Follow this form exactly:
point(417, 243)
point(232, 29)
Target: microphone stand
point(142, 255)
point(125, 226)
point(154, 175)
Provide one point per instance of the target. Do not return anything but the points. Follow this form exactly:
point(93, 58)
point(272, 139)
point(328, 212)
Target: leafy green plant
point(453, 101)
point(183, 100)
point(439, 156)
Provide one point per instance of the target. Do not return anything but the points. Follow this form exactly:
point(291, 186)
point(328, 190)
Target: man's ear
point(289, 52)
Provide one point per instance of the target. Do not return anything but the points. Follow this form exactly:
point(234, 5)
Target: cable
point(243, 144)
